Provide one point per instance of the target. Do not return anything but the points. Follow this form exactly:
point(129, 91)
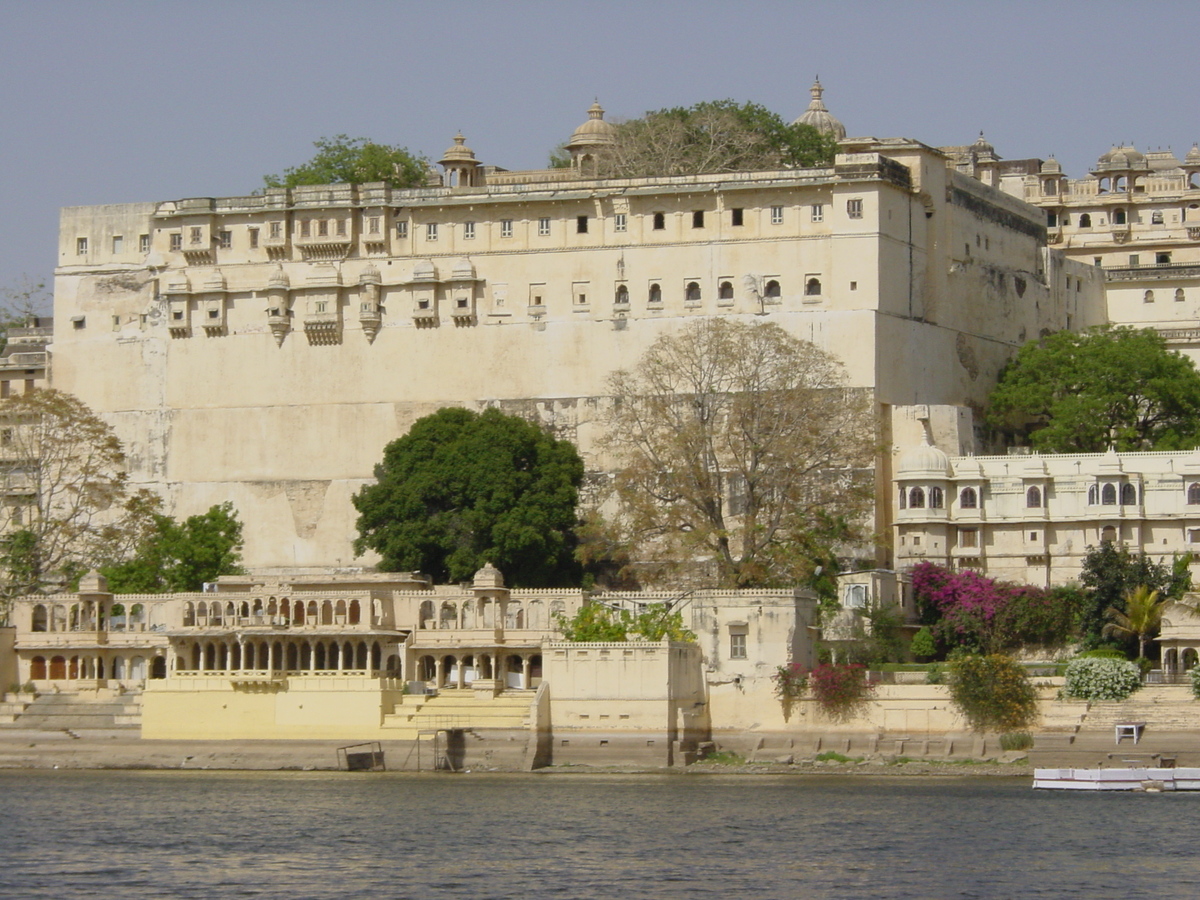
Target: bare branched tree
point(740, 445)
point(65, 505)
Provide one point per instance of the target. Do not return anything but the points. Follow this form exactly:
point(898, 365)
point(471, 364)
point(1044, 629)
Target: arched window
point(968, 499)
point(1118, 217)
point(37, 668)
point(936, 498)
point(692, 292)
point(1093, 495)
point(622, 297)
point(1085, 221)
point(772, 291)
point(1108, 495)
point(655, 295)
point(725, 291)
point(1108, 534)
point(904, 498)
point(1033, 497)
point(1128, 495)
point(1148, 297)
point(812, 287)
point(1156, 217)
point(1193, 495)
point(856, 596)
point(1178, 295)
point(916, 498)
point(40, 618)
point(660, 221)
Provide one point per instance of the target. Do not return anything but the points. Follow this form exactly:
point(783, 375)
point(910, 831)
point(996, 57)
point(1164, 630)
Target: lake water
point(310, 836)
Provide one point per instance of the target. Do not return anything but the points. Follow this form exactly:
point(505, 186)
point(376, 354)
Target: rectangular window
point(6, 436)
point(305, 228)
point(776, 215)
point(737, 216)
point(619, 222)
point(322, 228)
point(144, 243)
point(253, 232)
point(817, 213)
point(402, 230)
point(1133, 259)
point(321, 304)
point(341, 227)
point(1162, 259)
point(177, 242)
point(506, 228)
point(225, 238)
point(469, 230)
point(581, 224)
point(431, 231)
point(543, 226)
point(81, 246)
point(854, 208)
point(276, 230)
point(660, 221)
point(698, 218)
point(373, 225)
point(968, 537)
point(118, 244)
point(737, 646)
point(196, 235)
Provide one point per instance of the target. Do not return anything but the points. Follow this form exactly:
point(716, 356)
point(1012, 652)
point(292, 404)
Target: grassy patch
point(725, 758)
point(834, 756)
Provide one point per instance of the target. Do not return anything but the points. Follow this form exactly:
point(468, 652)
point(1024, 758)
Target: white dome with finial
point(595, 131)
point(819, 117)
point(925, 460)
point(488, 578)
point(458, 153)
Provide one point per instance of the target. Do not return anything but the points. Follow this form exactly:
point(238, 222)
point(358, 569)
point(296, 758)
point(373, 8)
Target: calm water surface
point(310, 836)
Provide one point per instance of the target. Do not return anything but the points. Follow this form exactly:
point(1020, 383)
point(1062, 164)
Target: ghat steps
point(458, 709)
point(72, 712)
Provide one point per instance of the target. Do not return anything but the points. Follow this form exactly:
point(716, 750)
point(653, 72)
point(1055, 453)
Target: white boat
point(1135, 779)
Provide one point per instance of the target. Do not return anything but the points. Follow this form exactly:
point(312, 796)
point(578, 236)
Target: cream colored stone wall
point(214, 410)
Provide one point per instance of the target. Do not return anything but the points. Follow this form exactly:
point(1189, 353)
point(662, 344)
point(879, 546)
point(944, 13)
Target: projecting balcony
point(1153, 272)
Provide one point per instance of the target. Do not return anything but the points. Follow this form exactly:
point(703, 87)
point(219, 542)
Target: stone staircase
point(1166, 709)
point(75, 712)
point(457, 709)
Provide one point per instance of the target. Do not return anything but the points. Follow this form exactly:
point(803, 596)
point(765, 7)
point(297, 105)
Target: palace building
point(264, 349)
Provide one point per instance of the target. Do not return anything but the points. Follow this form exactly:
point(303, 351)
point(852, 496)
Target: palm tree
point(1140, 619)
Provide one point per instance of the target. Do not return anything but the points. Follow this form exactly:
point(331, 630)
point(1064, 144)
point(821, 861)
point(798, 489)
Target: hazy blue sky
point(116, 101)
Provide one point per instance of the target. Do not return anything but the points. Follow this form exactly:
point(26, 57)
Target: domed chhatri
point(819, 117)
point(488, 578)
point(1120, 159)
point(591, 139)
point(458, 152)
point(925, 459)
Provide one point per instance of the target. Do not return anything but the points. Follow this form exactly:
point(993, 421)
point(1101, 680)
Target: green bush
point(993, 693)
point(935, 674)
point(1194, 673)
point(923, 646)
point(1101, 678)
point(1016, 740)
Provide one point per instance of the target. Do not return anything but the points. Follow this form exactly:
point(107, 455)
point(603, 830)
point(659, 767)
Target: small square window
point(431, 231)
point(468, 231)
point(581, 224)
point(214, 314)
point(817, 213)
point(619, 222)
point(1134, 259)
point(81, 246)
point(506, 228)
point(543, 226)
point(737, 216)
point(118, 244)
point(776, 215)
point(144, 243)
point(79, 322)
point(402, 230)
point(225, 239)
point(854, 208)
point(737, 646)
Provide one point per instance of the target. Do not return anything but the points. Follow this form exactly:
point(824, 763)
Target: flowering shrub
point(790, 684)
point(1194, 673)
point(1101, 679)
point(993, 693)
point(840, 690)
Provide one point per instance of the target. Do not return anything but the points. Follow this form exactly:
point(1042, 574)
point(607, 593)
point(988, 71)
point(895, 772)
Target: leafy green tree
point(67, 505)
point(1110, 573)
point(181, 556)
point(993, 693)
point(346, 160)
point(715, 136)
point(1140, 618)
point(464, 488)
point(1081, 393)
point(596, 621)
point(740, 445)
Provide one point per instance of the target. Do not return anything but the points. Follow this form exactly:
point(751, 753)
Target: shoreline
point(31, 751)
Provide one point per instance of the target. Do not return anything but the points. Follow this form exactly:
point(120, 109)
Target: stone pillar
point(438, 671)
point(526, 668)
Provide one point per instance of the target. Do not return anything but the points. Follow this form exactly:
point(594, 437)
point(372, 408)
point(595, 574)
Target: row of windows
point(1119, 217)
point(1148, 297)
point(118, 244)
point(692, 292)
point(1098, 495)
